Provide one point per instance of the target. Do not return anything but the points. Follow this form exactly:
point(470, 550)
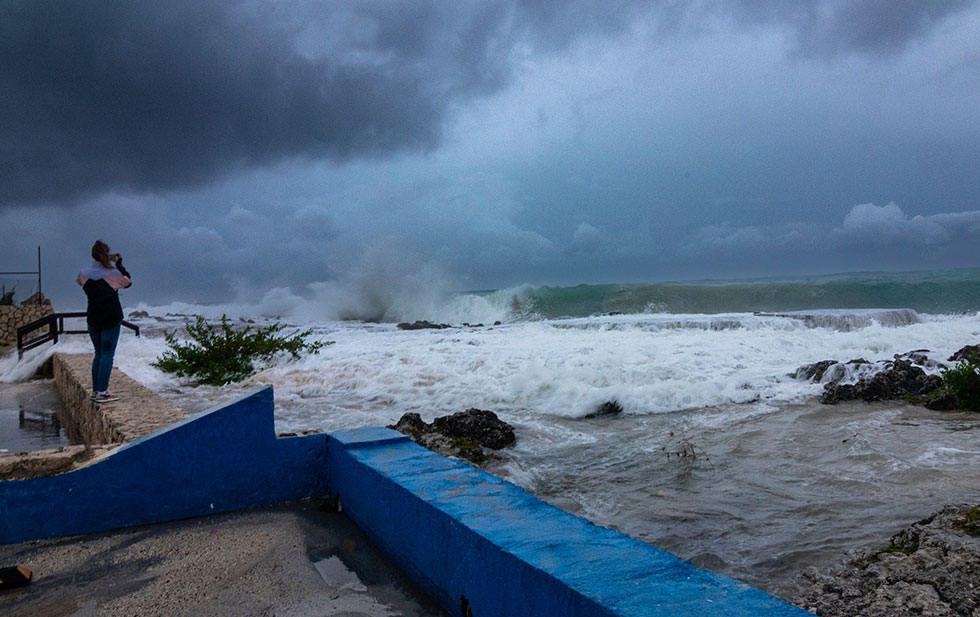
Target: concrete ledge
point(23, 465)
point(480, 544)
point(93, 428)
point(139, 411)
point(221, 460)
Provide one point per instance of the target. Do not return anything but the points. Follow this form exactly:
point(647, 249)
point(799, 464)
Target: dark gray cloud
point(155, 95)
point(151, 95)
point(831, 27)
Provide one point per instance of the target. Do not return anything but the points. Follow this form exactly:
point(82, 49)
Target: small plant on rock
point(963, 381)
point(221, 354)
point(969, 521)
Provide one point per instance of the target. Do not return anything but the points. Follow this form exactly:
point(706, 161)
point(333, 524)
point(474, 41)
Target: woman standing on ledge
point(102, 282)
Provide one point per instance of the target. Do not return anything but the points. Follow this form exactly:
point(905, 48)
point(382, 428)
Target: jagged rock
point(479, 426)
point(411, 424)
point(813, 372)
point(422, 325)
point(965, 353)
point(941, 401)
point(930, 568)
point(900, 380)
point(826, 370)
point(462, 435)
point(609, 408)
point(918, 357)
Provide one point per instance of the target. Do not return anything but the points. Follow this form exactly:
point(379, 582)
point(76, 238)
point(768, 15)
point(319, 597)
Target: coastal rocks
point(901, 379)
point(422, 325)
point(965, 353)
point(829, 370)
point(930, 568)
point(609, 408)
point(462, 435)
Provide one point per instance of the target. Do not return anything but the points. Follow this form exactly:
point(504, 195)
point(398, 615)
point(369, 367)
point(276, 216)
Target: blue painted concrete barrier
point(478, 543)
point(217, 461)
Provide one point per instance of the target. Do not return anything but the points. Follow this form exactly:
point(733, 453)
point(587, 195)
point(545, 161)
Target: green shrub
point(7, 299)
point(963, 381)
point(221, 354)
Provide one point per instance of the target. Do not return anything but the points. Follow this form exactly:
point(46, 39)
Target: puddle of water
point(29, 417)
point(336, 574)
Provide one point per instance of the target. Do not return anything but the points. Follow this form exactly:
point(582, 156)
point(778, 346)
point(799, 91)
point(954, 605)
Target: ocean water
point(720, 456)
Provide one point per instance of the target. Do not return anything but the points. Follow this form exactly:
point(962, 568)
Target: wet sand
point(294, 560)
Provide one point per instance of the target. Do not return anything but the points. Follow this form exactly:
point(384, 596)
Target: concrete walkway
point(295, 560)
point(138, 412)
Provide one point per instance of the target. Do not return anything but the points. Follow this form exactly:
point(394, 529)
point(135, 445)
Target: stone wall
point(13, 317)
point(95, 428)
point(138, 411)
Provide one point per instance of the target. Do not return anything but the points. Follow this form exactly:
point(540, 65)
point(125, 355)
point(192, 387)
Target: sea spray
point(791, 483)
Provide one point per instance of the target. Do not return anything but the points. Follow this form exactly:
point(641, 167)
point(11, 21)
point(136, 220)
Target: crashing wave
point(847, 320)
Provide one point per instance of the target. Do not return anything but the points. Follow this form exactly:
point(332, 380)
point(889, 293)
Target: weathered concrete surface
point(95, 428)
point(220, 460)
point(23, 465)
point(291, 560)
point(138, 411)
point(483, 546)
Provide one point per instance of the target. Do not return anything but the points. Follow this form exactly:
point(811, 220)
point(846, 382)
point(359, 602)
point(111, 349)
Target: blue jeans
point(104, 342)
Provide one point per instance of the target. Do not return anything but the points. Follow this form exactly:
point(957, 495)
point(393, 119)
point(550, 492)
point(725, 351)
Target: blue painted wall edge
point(480, 543)
point(474, 541)
point(221, 460)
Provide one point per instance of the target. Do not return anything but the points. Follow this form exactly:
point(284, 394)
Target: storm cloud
point(156, 95)
point(137, 95)
point(245, 149)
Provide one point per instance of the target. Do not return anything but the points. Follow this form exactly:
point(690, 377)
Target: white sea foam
point(372, 373)
point(773, 457)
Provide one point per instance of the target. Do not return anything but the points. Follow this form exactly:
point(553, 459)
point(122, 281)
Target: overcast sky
point(228, 148)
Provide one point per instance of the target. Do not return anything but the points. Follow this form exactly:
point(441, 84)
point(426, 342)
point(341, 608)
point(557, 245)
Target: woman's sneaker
point(104, 397)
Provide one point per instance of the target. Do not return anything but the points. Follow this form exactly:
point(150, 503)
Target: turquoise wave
point(932, 292)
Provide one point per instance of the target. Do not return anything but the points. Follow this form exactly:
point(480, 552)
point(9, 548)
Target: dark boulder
point(422, 325)
point(826, 370)
point(901, 379)
point(609, 408)
point(941, 400)
point(813, 372)
point(918, 357)
point(411, 424)
point(966, 353)
point(479, 426)
point(462, 435)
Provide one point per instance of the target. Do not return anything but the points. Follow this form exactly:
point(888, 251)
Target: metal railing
point(36, 294)
point(55, 324)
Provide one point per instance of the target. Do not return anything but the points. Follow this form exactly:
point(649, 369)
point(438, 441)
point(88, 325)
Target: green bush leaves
point(963, 381)
point(221, 354)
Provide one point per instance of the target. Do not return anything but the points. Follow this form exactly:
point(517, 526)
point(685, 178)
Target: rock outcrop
point(930, 568)
point(462, 435)
point(422, 325)
point(903, 377)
